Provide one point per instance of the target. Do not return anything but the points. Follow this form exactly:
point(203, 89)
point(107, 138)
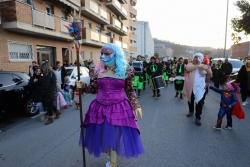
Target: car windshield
point(69, 71)
point(236, 64)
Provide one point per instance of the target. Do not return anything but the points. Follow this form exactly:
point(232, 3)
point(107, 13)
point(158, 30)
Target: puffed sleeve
point(92, 87)
point(129, 89)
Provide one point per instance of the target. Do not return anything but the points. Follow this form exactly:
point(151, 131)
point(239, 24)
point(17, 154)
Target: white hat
point(200, 56)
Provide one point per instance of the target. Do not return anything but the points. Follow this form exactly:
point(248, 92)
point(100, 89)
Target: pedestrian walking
point(37, 91)
point(194, 85)
point(48, 87)
point(243, 79)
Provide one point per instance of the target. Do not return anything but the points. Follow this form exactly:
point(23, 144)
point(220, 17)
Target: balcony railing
point(132, 49)
point(93, 11)
point(132, 36)
point(117, 8)
point(133, 23)
point(94, 38)
point(132, 10)
point(43, 19)
point(63, 23)
point(116, 25)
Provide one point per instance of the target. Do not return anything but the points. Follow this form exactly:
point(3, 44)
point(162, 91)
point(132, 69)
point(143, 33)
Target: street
point(170, 139)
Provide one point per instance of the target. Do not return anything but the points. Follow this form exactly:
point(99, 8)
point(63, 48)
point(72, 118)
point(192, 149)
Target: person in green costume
point(179, 81)
point(166, 72)
point(138, 79)
point(154, 70)
point(145, 75)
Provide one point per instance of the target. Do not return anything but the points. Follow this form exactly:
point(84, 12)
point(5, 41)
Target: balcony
point(132, 49)
point(93, 11)
point(92, 38)
point(20, 17)
point(123, 1)
point(116, 26)
point(117, 8)
point(133, 2)
point(133, 23)
point(133, 36)
point(133, 11)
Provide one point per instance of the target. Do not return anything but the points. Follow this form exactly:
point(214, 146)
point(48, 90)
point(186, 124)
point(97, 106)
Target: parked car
point(237, 64)
point(72, 73)
point(15, 95)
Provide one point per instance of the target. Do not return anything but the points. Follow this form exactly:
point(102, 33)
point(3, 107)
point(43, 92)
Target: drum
point(157, 83)
point(138, 66)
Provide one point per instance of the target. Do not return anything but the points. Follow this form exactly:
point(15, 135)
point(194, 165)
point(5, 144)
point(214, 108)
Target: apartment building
point(241, 50)
point(145, 42)
point(34, 30)
point(161, 50)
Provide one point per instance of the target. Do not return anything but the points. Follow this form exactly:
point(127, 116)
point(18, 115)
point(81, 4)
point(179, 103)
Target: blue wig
point(120, 60)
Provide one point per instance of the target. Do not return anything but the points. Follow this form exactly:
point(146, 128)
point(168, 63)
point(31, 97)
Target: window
point(131, 41)
point(120, 38)
point(49, 9)
point(6, 80)
point(98, 29)
point(20, 51)
point(89, 25)
point(63, 15)
point(91, 56)
point(83, 55)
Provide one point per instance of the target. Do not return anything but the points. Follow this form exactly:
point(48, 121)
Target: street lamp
point(225, 43)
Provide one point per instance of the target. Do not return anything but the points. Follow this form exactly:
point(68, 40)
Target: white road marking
point(157, 109)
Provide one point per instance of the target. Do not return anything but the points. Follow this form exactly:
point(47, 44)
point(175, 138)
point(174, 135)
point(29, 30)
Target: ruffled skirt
point(112, 126)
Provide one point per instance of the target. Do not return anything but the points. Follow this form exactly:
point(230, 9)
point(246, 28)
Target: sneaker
point(228, 127)
point(244, 104)
point(197, 122)
point(217, 126)
point(190, 114)
point(158, 95)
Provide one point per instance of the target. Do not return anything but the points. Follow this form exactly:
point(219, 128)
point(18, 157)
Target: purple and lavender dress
point(110, 121)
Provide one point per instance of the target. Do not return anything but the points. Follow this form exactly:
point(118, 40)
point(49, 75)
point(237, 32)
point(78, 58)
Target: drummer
point(179, 78)
point(154, 70)
point(139, 78)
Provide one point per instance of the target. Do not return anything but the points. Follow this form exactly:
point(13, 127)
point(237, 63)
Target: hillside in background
point(185, 51)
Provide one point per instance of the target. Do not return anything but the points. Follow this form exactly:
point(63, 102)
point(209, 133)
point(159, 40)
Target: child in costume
point(67, 89)
point(228, 101)
point(110, 124)
point(60, 101)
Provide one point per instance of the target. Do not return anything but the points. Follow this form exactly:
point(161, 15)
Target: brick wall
point(240, 50)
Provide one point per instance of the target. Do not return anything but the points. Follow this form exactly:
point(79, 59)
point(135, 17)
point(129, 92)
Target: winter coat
point(36, 88)
point(48, 86)
point(242, 78)
point(227, 68)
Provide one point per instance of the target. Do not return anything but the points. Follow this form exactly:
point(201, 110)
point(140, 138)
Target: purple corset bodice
point(110, 91)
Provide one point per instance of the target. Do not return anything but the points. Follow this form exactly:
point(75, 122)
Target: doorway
point(45, 53)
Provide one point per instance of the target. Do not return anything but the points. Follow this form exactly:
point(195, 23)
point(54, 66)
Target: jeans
point(40, 107)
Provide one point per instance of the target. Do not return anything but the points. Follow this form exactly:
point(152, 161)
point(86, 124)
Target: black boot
point(176, 95)
point(181, 96)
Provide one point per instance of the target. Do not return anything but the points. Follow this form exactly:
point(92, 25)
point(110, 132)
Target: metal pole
point(80, 102)
point(225, 43)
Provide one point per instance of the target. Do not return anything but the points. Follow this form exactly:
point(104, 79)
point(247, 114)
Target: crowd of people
point(110, 124)
point(52, 90)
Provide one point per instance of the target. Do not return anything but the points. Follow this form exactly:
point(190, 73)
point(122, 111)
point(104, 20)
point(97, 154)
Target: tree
point(242, 23)
point(156, 54)
point(207, 52)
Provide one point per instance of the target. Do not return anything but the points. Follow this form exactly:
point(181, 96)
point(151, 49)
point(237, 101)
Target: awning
point(72, 3)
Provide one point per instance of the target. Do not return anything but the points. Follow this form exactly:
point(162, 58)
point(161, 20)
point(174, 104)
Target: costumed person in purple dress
point(110, 124)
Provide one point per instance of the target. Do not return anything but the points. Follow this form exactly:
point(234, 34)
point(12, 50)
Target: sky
point(189, 22)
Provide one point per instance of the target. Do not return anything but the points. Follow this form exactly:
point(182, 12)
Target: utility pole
point(225, 43)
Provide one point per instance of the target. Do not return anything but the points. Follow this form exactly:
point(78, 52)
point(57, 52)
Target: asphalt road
point(170, 139)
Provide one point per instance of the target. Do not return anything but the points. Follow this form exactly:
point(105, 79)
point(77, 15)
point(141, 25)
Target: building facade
point(160, 49)
point(35, 31)
point(241, 50)
point(145, 42)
